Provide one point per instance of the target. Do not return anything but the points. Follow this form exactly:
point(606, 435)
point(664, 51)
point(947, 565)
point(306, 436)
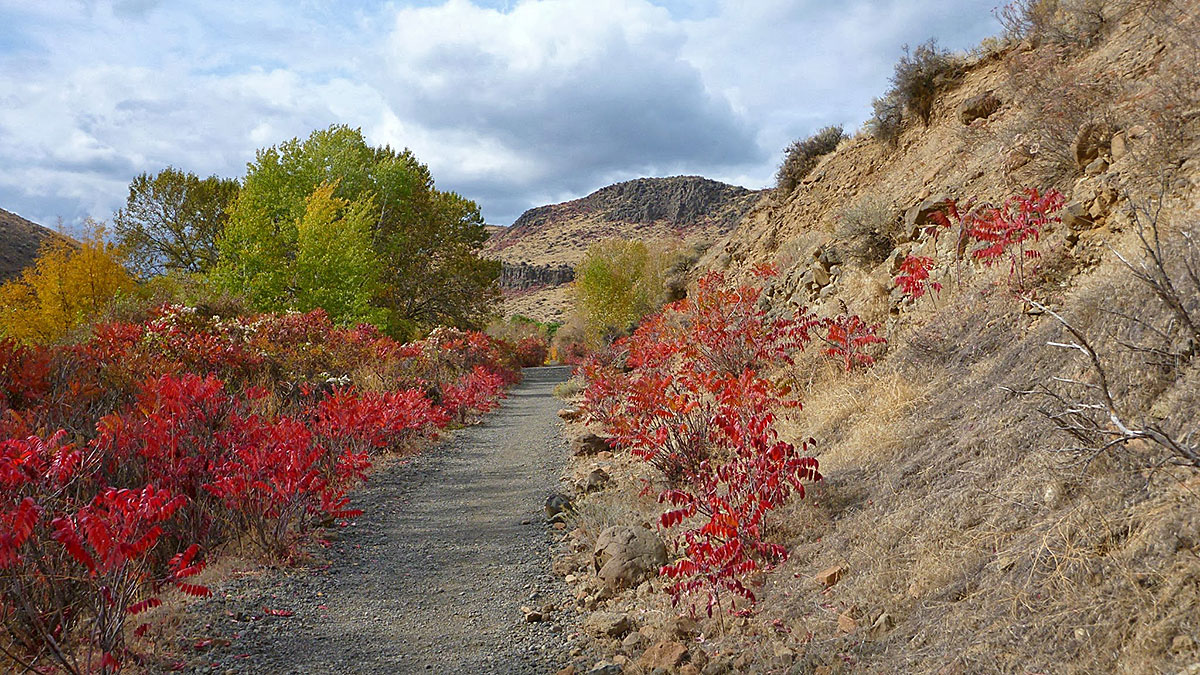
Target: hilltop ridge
point(545, 239)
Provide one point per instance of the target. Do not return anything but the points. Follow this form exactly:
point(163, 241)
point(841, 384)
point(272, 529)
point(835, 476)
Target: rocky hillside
point(997, 497)
point(686, 208)
point(19, 243)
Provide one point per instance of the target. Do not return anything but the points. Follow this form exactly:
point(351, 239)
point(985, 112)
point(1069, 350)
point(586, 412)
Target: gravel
point(432, 578)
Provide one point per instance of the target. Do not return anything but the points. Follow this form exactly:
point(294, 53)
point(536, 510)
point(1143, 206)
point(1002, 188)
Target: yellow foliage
point(66, 286)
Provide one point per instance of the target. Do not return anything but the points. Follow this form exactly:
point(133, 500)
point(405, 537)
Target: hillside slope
point(19, 243)
point(686, 208)
point(976, 511)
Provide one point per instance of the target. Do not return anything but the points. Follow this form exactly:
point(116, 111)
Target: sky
point(513, 104)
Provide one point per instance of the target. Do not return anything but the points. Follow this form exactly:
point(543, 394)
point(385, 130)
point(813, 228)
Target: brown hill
point(20, 240)
point(969, 529)
point(686, 208)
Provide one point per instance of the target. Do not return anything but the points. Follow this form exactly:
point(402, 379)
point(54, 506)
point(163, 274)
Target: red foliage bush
point(686, 393)
point(169, 439)
point(996, 232)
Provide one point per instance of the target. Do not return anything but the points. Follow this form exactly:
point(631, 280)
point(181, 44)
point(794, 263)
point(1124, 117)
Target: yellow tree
point(69, 284)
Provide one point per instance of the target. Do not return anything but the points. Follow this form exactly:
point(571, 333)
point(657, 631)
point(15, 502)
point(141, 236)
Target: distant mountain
point(545, 243)
point(682, 207)
point(20, 240)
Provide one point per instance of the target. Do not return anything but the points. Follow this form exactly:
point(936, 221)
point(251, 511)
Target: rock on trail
point(432, 578)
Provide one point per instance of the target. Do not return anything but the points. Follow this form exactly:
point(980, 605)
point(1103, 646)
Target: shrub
point(1057, 100)
point(869, 228)
point(801, 157)
point(127, 459)
point(996, 233)
point(1063, 22)
point(887, 119)
point(684, 394)
point(919, 75)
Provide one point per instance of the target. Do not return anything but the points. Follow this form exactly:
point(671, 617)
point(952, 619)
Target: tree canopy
point(303, 199)
point(171, 221)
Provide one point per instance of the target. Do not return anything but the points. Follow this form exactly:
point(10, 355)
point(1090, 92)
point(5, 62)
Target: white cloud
point(540, 100)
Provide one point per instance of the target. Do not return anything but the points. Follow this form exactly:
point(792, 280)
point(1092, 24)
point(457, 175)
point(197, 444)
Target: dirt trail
point(433, 576)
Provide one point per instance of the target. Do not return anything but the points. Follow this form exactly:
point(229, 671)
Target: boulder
point(607, 624)
point(556, 506)
point(626, 556)
point(596, 480)
point(978, 107)
point(589, 444)
point(664, 657)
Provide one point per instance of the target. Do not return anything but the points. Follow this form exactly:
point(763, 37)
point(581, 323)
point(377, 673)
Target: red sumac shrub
point(685, 393)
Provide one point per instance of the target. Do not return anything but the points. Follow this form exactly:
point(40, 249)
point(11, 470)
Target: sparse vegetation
point(869, 227)
point(1062, 22)
point(801, 157)
point(919, 76)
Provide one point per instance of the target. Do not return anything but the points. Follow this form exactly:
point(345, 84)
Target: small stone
point(846, 624)
point(570, 414)
point(569, 670)
point(882, 624)
point(605, 668)
point(556, 506)
point(1096, 167)
point(532, 615)
point(830, 575)
point(633, 642)
point(596, 480)
point(688, 669)
point(1119, 147)
point(820, 275)
point(604, 454)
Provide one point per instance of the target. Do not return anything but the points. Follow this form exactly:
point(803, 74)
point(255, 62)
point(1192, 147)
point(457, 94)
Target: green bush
point(801, 157)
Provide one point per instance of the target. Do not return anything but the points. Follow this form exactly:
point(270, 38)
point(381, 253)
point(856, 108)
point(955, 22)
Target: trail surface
point(432, 577)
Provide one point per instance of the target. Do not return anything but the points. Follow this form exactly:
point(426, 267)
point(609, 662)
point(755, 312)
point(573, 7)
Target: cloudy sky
point(513, 104)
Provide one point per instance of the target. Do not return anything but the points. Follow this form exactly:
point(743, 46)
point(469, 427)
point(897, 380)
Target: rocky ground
point(448, 570)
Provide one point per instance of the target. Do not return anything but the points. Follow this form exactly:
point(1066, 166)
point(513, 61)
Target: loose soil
point(432, 578)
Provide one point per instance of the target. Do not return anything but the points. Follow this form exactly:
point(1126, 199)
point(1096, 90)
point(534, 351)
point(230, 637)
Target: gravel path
point(432, 577)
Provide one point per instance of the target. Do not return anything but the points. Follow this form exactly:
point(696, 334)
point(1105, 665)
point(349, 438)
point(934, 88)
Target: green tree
point(171, 221)
point(336, 268)
point(617, 283)
point(426, 241)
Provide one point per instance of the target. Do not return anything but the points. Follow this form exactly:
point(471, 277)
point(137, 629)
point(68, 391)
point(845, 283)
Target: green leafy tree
point(171, 221)
point(425, 242)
